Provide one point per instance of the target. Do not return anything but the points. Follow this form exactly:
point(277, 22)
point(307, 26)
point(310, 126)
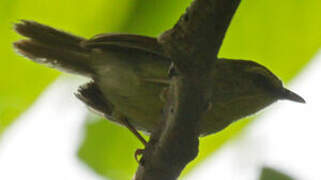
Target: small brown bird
point(129, 73)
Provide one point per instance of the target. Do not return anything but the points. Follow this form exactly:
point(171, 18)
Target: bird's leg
point(126, 123)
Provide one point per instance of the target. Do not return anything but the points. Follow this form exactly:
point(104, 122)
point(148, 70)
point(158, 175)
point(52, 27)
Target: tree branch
point(198, 35)
point(192, 44)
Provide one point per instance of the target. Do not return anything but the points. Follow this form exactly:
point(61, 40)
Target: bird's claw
point(138, 152)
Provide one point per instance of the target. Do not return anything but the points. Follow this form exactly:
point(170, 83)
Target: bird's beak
point(289, 95)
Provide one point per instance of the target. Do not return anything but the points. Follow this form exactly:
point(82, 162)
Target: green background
point(282, 35)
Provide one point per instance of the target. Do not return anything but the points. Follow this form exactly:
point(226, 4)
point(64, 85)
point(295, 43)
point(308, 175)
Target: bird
point(129, 75)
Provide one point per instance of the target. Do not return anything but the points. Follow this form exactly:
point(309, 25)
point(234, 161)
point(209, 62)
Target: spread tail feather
point(52, 47)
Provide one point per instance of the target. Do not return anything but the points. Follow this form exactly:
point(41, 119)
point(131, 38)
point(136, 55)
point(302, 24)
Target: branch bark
point(192, 44)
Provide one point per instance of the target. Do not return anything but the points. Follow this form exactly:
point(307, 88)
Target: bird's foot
point(138, 152)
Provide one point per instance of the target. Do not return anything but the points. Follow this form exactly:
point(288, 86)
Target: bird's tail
point(57, 49)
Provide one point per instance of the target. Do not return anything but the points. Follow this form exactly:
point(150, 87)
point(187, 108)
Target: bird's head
point(269, 83)
point(241, 88)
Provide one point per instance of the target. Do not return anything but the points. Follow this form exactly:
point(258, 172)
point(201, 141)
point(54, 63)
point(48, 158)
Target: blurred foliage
point(109, 149)
point(273, 174)
point(282, 35)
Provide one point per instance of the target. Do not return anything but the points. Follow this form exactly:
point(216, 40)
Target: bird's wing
point(130, 41)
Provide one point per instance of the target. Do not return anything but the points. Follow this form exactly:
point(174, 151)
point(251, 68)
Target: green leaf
point(273, 174)
point(154, 17)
